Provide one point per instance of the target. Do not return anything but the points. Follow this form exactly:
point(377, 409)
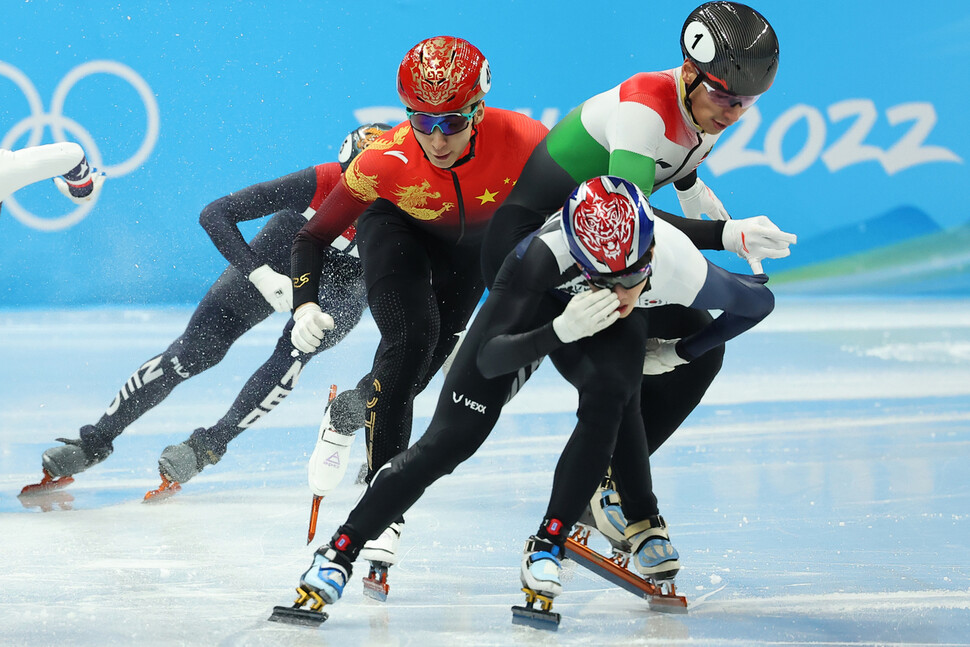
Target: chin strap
point(686, 97)
point(471, 148)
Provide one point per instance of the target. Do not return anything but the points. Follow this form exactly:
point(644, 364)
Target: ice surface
point(819, 496)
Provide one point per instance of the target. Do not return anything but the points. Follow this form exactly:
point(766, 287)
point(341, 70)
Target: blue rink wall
point(860, 147)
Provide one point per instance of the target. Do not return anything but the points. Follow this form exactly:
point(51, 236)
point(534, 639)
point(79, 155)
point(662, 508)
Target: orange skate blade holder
point(315, 504)
point(165, 490)
point(46, 484)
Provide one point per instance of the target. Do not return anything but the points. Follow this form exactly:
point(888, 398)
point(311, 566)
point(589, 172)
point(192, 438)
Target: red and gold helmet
point(443, 74)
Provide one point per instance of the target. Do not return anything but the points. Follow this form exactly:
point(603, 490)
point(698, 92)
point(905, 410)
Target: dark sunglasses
point(726, 99)
point(626, 281)
point(449, 123)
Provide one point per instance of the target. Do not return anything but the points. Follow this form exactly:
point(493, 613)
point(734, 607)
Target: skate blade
point(375, 589)
point(47, 484)
point(660, 594)
point(166, 490)
point(375, 584)
point(535, 618)
point(665, 598)
point(297, 616)
point(668, 603)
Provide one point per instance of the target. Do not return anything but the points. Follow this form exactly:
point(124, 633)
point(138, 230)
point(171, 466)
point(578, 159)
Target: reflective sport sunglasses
point(626, 281)
point(726, 99)
point(449, 123)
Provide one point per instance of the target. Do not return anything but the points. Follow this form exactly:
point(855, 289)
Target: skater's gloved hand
point(754, 239)
point(661, 356)
point(586, 314)
point(74, 193)
point(309, 322)
point(276, 288)
point(699, 200)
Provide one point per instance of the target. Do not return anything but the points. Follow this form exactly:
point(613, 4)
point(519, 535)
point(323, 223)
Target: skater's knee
point(189, 355)
point(599, 406)
point(347, 411)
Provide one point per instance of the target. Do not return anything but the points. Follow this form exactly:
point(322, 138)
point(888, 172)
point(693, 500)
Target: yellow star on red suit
point(488, 196)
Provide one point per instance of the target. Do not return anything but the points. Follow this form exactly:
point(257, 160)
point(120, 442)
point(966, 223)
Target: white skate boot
point(382, 554)
point(605, 515)
point(327, 576)
point(654, 557)
point(323, 583)
point(541, 567)
point(540, 583)
point(328, 462)
point(384, 548)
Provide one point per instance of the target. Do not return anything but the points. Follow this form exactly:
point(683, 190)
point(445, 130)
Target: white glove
point(276, 288)
point(586, 314)
point(754, 239)
point(661, 356)
point(698, 200)
point(309, 323)
point(97, 179)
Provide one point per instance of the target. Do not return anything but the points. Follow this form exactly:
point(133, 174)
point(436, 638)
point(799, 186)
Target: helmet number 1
point(701, 48)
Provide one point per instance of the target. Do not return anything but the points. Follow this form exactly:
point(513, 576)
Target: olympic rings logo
point(60, 124)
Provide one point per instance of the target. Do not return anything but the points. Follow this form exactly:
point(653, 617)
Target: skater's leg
point(341, 295)
point(230, 308)
point(668, 399)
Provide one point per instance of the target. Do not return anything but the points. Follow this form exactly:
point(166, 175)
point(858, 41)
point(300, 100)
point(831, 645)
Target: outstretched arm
point(221, 218)
point(744, 301)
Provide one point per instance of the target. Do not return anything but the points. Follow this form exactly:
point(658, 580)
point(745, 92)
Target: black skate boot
point(75, 455)
point(180, 463)
point(61, 463)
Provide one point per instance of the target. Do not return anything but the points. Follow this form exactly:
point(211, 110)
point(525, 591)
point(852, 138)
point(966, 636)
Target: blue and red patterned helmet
point(608, 225)
point(443, 74)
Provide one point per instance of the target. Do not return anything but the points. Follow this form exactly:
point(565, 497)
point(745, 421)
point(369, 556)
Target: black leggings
point(469, 405)
point(230, 308)
point(421, 291)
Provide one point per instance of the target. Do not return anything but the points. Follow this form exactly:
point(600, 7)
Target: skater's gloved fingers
point(699, 200)
point(586, 314)
point(756, 238)
point(276, 288)
point(661, 356)
point(308, 332)
point(304, 342)
point(309, 325)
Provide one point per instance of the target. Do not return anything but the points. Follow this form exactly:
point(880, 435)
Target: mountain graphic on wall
point(901, 252)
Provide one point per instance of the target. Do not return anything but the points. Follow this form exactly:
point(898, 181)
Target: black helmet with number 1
point(733, 47)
